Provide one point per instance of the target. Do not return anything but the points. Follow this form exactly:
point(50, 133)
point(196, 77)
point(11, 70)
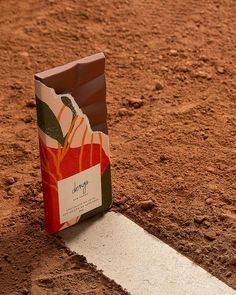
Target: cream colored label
point(79, 193)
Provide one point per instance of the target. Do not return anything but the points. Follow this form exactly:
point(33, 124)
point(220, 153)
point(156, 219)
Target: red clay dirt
point(172, 104)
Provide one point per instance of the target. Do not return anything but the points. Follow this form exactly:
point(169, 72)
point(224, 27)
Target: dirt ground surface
point(172, 119)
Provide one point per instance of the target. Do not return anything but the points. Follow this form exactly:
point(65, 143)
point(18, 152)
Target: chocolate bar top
point(84, 79)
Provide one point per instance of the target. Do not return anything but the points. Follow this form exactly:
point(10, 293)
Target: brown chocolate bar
point(74, 143)
point(85, 81)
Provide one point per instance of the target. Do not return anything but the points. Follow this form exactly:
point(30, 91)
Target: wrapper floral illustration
point(73, 141)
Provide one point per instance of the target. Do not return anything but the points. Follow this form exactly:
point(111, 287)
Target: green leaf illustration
point(67, 102)
point(106, 188)
point(48, 122)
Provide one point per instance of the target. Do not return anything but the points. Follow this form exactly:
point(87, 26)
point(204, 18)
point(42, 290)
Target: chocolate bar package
point(73, 141)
